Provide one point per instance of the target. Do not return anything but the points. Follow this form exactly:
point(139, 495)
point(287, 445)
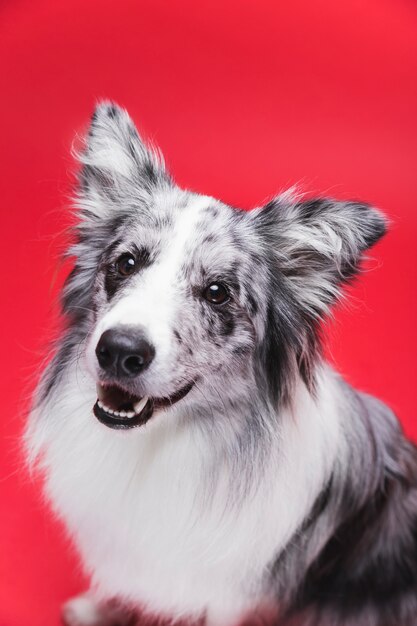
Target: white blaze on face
point(151, 300)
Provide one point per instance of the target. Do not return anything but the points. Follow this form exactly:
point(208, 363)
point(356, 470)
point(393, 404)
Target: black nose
point(124, 352)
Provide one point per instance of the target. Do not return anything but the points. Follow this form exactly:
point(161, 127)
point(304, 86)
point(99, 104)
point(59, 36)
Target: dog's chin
point(120, 409)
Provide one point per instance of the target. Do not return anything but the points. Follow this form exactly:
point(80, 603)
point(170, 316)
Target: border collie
point(207, 462)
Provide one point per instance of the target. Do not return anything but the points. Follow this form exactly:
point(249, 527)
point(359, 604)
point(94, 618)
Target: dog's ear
point(317, 245)
point(310, 249)
point(117, 177)
point(117, 169)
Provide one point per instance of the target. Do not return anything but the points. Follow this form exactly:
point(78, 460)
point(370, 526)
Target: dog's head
point(181, 298)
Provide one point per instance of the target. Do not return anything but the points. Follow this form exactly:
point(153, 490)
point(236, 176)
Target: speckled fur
point(272, 487)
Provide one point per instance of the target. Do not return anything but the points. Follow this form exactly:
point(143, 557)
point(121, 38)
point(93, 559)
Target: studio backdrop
point(245, 99)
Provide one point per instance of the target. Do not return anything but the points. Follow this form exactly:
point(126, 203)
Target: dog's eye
point(126, 264)
point(216, 293)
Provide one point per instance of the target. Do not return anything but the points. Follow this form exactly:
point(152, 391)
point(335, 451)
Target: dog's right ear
point(118, 171)
point(117, 177)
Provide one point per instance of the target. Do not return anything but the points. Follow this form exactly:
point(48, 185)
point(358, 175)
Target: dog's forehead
point(196, 226)
point(215, 239)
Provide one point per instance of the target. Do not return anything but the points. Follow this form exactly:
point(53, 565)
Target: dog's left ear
point(117, 169)
point(317, 245)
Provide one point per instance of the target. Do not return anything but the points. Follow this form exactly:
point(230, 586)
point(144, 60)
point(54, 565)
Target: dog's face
point(181, 298)
point(176, 306)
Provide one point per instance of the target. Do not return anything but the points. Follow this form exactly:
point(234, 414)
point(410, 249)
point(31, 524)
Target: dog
point(207, 462)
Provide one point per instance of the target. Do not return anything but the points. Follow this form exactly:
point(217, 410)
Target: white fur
point(153, 304)
point(85, 610)
point(82, 611)
point(185, 515)
point(132, 501)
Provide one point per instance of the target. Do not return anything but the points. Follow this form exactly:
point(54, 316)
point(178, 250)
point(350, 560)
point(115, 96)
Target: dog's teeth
point(138, 406)
point(100, 391)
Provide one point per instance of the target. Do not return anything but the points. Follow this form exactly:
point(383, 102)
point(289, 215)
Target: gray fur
point(284, 264)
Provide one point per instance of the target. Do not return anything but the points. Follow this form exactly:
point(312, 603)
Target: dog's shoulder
point(366, 573)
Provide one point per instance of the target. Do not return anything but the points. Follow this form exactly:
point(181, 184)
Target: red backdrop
point(245, 98)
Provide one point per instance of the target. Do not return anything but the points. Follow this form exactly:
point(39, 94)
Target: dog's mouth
point(117, 408)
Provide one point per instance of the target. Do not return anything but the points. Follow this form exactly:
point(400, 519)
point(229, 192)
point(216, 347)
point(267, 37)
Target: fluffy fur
point(272, 488)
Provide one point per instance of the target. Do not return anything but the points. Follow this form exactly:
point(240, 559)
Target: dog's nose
point(124, 352)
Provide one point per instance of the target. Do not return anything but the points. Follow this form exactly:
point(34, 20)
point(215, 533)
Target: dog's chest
point(148, 521)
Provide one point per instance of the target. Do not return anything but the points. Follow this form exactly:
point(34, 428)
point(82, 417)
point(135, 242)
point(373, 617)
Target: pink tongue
point(116, 399)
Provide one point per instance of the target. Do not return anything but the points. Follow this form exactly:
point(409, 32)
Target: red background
point(245, 98)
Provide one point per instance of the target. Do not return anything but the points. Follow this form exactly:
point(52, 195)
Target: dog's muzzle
point(117, 408)
point(123, 353)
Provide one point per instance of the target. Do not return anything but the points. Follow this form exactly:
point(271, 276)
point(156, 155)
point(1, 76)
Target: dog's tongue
point(117, 399)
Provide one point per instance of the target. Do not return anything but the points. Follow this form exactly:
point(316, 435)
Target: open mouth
point(117, 408)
